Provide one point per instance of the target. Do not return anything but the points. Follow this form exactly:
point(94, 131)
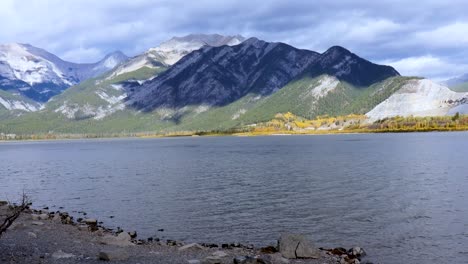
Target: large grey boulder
point(293, 246)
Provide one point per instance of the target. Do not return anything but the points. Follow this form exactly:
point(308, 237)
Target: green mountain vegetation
point(296, 97)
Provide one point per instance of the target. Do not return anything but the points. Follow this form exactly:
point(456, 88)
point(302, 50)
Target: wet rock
point(349, 260)
point(171, 242)
point(110, 255)
point(192, 246)
point(3, 203)
point(62, 255)
point(90, 221)
point(296, 246)
point(209, 245)
point(133, 234)
point(32, 235)
point(356, 252)
point(269, 249)
point(338, 251)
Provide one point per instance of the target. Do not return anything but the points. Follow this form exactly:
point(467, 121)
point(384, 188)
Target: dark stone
point(171, 242)
point(338, 251)
point(357, 252)
point(209, 245)
point(269, 249)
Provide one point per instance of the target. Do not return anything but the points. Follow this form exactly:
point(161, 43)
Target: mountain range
point(205, 82)
point(39, 75)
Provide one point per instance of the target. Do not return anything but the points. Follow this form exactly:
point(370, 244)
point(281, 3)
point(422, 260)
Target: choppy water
point(403, 197)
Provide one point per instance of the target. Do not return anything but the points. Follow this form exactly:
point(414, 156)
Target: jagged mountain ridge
point(100, 97)
point(217, 76)
point(38, 75)
point(171, 51)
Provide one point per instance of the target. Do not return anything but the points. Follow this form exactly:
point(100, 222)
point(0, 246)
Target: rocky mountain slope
point(225, 86)
point(171, 51)
point(421, 98)
point(217, 76)
point(36, 74)
point(103, 96)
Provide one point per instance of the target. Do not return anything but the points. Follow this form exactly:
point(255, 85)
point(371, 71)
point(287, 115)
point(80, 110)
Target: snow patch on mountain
point(110, 99)
point(19, 105)
point(75, 111)
point(28, 67)
point(171, 51)
point(24, 67)
point(420, 98)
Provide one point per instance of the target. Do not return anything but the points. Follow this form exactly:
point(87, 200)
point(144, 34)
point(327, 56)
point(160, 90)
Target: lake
point(403, 197)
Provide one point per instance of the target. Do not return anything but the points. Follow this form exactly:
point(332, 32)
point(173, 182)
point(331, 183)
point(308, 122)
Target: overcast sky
point(424, 38)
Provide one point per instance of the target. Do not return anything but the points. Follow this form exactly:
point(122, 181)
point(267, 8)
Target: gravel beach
point(45, 237)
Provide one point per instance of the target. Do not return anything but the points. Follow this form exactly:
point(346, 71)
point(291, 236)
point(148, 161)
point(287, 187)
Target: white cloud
point(447, 36)
point(427, 66)
point(431, 31)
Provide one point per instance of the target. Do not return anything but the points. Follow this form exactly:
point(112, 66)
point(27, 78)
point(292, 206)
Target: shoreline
point(241, 134)
point(56, 237)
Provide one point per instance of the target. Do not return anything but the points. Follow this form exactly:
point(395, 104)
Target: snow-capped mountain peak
point(37, 74)
point(177, 47)
point(111, 60)
point(171, 51)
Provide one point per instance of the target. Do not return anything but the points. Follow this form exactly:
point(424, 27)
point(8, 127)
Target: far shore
point(65, 137)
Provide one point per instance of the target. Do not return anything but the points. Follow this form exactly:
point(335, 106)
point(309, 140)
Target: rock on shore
point(58, 239)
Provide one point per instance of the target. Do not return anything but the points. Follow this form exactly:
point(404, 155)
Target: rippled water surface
point(403, 197)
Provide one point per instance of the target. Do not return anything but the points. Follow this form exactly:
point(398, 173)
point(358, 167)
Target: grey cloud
point(399, 32)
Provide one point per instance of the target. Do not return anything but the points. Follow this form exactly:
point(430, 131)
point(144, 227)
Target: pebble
point(38, 223)
point(191, 247)
point(43, 216)
point(35, 217)
point(56, 218)
point(32, 235)
point(212, 260)
point(219, 254)
point(194, 261)
point(62, 255)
